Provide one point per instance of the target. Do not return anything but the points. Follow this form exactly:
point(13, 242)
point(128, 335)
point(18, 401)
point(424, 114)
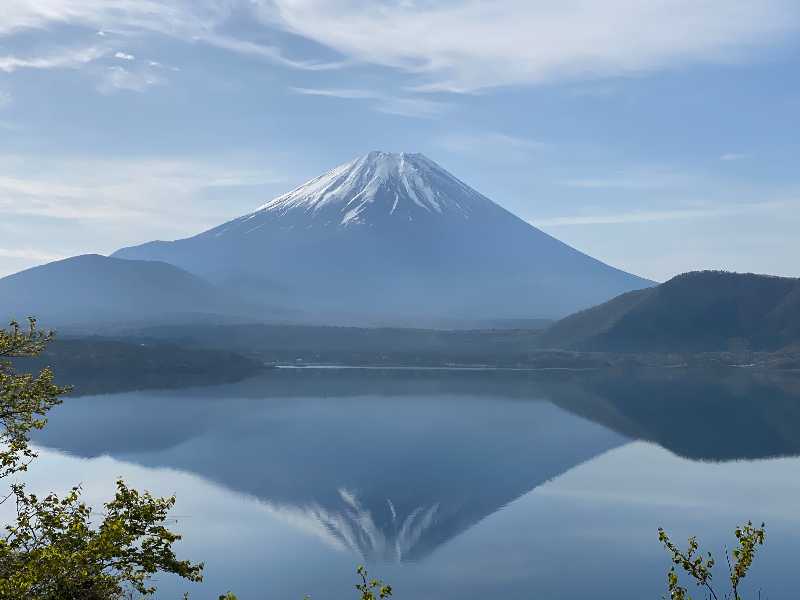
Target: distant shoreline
point(426, 368)
point(561, 361)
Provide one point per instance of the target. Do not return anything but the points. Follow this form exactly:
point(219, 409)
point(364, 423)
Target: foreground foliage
point(24, 398)
point(53, 549)
point(700, 567)
point(372, 589)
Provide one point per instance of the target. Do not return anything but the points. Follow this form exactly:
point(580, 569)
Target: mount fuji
point(393, 238)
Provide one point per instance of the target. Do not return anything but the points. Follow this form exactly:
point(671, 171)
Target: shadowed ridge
point(701, 311)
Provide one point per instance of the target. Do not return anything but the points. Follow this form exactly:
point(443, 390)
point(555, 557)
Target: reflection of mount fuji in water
point(390, 477)
point(393, 464)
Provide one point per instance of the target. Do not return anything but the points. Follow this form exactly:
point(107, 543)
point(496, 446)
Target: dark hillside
point(572, 330)
point(706, 311)
point(96, 365)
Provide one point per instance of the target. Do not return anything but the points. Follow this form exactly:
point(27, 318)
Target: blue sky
point(657, 135)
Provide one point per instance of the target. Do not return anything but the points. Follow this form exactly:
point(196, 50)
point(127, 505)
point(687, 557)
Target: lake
point(448, 484)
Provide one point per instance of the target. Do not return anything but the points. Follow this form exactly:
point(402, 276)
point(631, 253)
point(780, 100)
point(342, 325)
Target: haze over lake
point(461, 484)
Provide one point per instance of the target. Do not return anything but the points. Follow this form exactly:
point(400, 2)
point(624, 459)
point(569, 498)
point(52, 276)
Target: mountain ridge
point(95, 288)
point(391, 238)
point(699, 311)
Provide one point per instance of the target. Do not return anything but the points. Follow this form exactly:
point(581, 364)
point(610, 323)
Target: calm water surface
point(448, 485)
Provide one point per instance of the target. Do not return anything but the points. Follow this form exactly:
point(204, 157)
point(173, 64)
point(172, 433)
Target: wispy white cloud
point(124, 56)
point(30, 255)
point(733, 156)
point(67, 58)
point(192, 21)
point(404, 106)
point(159, 65)
point(143, 190)
point(651, 216)
point(271, 53)
point(458, 45)
point(81, 205)
point(348, 94)
point(106, 15)
point(464, 45)
point(643, 178)
point(117, 79)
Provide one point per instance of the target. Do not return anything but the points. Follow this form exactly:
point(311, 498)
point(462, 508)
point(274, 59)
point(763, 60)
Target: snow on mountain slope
point(381, 181)
point(394, 238)
point(370, 189)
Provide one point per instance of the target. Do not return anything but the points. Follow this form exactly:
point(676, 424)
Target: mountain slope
point(575, 329)
point(394, 238)
point(693, 312)
point(98, 288)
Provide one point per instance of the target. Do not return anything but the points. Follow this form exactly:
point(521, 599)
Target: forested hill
point(703, 311)
point(96, 365)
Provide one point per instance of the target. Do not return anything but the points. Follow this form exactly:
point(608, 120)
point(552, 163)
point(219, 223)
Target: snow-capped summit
point(394, 238)
point(380, 184)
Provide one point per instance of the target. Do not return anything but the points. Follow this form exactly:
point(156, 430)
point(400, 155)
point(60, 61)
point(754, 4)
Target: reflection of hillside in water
point(722, 415)
point(393, 464)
